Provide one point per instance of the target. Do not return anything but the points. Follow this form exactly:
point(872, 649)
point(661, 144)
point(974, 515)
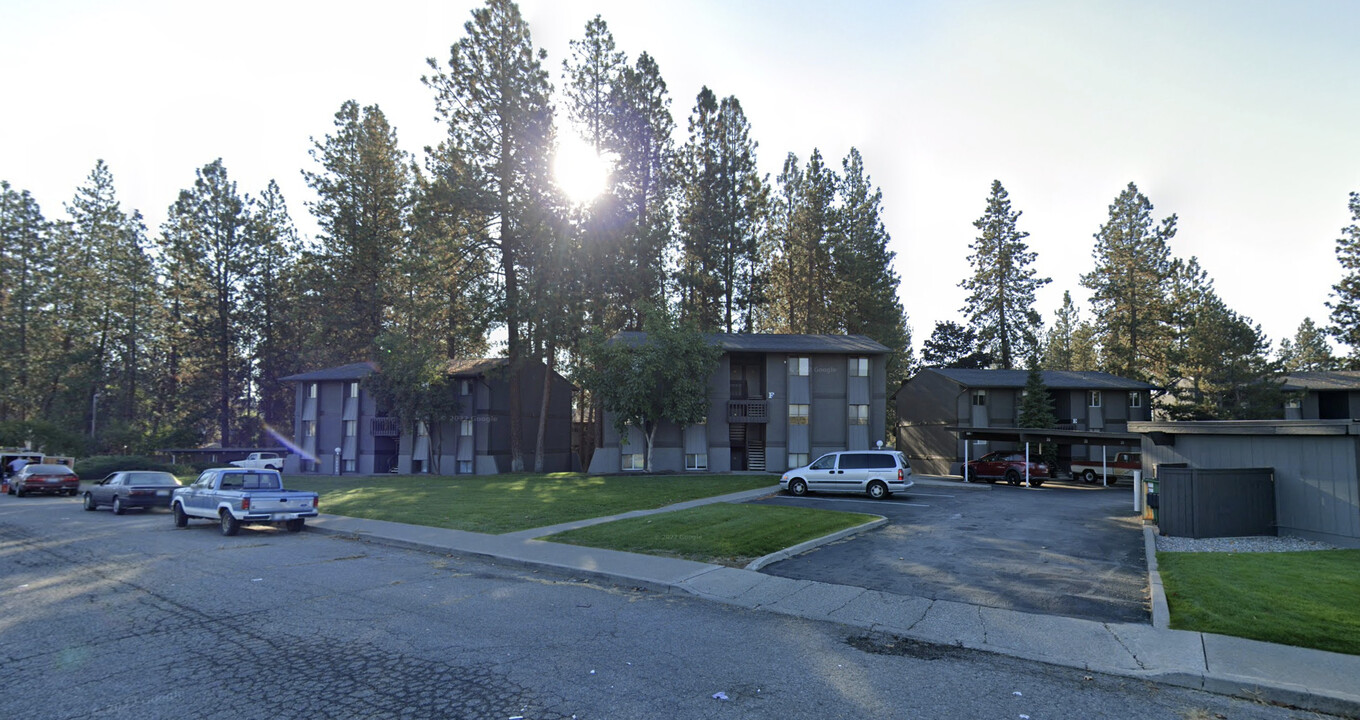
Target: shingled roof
point(775, 343)
point(1053, 379)
point(1322, 380)
point(361, 370)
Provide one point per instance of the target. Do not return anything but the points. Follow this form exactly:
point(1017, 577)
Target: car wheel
point(877, 490)
point(89, 502)
point(1036, 482)
point(181, 520)
point(295, 525)
point(230, 525)
point(1012, 477)
point(1088, 476)
point(117, 505)
point(17, 492)
point(797, 487)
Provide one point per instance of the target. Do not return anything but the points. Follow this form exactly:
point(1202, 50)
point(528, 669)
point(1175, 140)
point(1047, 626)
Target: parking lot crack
point(982, 623)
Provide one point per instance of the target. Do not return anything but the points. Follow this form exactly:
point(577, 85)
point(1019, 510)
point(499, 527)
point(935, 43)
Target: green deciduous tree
point(1129, 288)
point(1000, 303)
point(412, 381)
point(662, 377)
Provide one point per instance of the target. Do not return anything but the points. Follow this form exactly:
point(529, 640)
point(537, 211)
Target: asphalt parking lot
point(1065, 549)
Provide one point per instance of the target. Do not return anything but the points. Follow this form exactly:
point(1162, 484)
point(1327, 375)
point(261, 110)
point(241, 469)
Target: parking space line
point(880, 503)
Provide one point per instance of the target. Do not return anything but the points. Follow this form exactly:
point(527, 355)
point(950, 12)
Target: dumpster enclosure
point(1220, 502)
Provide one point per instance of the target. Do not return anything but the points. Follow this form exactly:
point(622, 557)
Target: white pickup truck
point(1121, 467)
point(233, 496)
point(261, 460)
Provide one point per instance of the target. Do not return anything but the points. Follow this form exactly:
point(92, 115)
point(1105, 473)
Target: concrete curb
point(803, 547)
point(1161, 612)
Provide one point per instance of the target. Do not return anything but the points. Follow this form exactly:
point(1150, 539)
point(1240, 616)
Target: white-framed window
point(633, 461)
point(1293, 403)
point(798, 459)
point(464, 387)
point(859, 367)
point(349, 466)
point(696, 461)
point(798, 414)
point(859, 414)
point(353, 389)
point(350, 427)
point(1135, 399)
point(465, 428)
point(309, 428)
point(979, 397)
point(1093, 398)
point(465, 467)
point(798, 366)
point(311, 390)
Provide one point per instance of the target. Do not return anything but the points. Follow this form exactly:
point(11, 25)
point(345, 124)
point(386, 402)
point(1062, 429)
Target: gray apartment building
point(1322, 395)
point(937, 408)
point(775, 402)
point(340, 427)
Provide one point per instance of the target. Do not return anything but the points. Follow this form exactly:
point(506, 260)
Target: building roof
point(773, 343)
point(352, 371)
point(1322, 380)
point(475, 366)
point(1053, 379)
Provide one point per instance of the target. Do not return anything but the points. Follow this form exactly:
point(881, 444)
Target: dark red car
point(1008, 465)
point(44, 478)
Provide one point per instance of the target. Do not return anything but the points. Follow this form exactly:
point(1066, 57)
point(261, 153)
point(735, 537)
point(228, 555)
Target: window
point(465, 467)
point(464, 387)
point(859, 414)
point(353, 389)
point(859, 367)
point(311, 390)
point(1135, 399)
point(825, 462)
point(1093, 398)
point(351, 427)
point(696, 461)
point(798, 366)
point(465, 428)
point(421, 430)
point(798, 459)
point(1293, 403)
point(348, 466)
point(979, 397)
point(633, 461)
point(309, 428)
point(798, 414)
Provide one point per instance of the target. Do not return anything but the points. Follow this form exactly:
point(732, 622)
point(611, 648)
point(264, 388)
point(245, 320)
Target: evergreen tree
point(954, 346)
point(26, 260)
point(1309, 350)
point(1001, 291)
point(363, 202)
point(1345, 305)
point(495, 101)
point(269, 298)
point(1129, 287)
point(1036, 410)
point(1059, 345)
point(804, 243)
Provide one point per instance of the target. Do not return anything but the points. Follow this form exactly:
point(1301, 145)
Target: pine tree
point(26, 260)
point(805, 240)
point(954, 346)
point(1036, 409)
point(1309, 350)
point(1129, 288)
point(1001, 291)
point(1059, 346)
point(270, 298)
point(363, 202)
point(1345, 305)
point(494, 99)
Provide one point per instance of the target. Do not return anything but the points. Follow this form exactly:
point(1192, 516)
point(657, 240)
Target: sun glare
point(579, 170)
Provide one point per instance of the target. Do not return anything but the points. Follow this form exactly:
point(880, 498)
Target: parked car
point(270, 460)
point(1007, 465)
point(132, 489)
point(233, 496)
point(1120, 468)
point(877, 473)
point(45, 478)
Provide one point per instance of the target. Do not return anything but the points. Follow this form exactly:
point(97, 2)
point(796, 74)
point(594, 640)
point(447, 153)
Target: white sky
point(1239, 117)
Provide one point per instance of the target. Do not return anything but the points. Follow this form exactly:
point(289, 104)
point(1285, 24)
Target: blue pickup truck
point(233, 496)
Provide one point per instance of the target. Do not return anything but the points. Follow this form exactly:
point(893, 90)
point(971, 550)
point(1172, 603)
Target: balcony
point(385, 427)
point(747, 411)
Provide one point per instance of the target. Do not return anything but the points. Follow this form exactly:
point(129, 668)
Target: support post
point(1027, 463)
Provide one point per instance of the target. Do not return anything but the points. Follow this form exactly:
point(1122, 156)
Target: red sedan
point(44, 478)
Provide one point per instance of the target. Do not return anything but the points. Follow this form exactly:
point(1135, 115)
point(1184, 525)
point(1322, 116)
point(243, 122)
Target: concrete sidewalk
point(1308, 679)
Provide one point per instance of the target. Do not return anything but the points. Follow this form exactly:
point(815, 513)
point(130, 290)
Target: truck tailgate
point(267, 502)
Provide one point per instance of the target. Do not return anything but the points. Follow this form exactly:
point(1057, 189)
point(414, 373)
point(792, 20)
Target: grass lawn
point(1307, 599)
point(506, 503)
point(724, 533)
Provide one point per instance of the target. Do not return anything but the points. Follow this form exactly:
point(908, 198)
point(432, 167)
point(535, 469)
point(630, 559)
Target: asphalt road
point(1066, 548)
point(127, 617)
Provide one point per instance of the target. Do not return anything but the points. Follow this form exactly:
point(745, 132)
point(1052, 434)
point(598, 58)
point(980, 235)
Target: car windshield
point(151, 478)
point(48, 470)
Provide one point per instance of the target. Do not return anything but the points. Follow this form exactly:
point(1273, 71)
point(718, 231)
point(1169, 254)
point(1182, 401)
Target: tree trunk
point(543, 408)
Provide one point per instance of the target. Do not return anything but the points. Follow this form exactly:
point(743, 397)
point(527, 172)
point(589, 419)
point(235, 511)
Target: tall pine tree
point(1001, 290)
point(1345, 305)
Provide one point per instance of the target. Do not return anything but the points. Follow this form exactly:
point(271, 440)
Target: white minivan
point(877, 473)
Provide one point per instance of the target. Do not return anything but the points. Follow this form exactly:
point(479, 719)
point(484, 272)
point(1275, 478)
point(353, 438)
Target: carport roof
point(1050, 435)
point(1053, 379)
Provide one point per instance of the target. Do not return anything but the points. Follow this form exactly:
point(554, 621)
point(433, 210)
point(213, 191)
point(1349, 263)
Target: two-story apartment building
point(775, 402)
point(1322, 395)
point(340, 427)
point(937, 407)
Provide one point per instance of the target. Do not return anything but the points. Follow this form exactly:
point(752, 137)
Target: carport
point(1045, 436)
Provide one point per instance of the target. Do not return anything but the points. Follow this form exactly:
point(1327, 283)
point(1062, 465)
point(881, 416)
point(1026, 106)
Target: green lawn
point(506, 503)
point(1307, 599)
point(723, 533)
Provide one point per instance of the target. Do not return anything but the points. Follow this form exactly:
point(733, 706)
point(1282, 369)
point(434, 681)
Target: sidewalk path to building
point(1309, 679)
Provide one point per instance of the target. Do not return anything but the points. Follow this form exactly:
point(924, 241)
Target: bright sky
point(1240, 117)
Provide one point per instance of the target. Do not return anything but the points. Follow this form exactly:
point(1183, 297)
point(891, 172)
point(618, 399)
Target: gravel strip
point(1255, 543)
